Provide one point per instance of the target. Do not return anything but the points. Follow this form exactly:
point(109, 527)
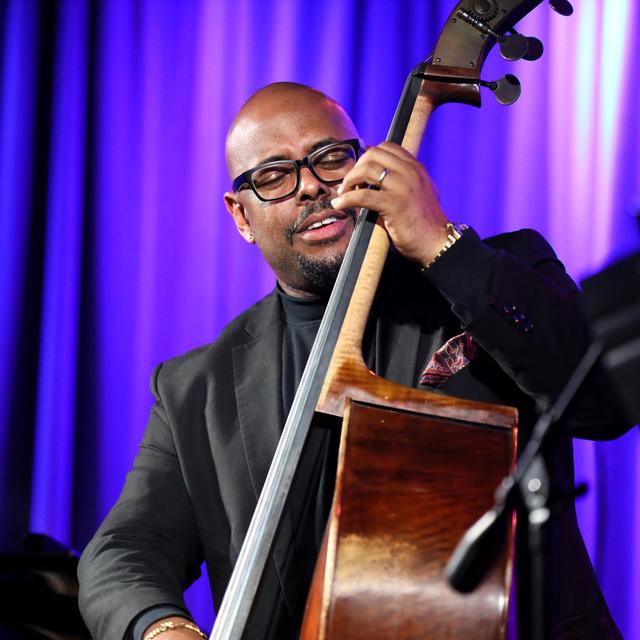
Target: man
point(505, 303)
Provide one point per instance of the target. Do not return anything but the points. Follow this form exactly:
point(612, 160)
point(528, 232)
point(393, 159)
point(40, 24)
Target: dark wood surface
point(408, 487)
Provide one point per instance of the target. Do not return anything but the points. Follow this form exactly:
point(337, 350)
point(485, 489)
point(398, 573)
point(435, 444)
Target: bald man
point(294, 120)
point(505, 306)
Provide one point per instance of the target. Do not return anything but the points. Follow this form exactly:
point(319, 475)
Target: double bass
point(432, 460)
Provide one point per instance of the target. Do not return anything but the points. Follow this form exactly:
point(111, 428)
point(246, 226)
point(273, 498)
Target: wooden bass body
point(408, 487)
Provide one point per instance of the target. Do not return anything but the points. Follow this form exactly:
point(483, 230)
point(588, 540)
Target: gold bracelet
point(454, 232)
point(168, 626)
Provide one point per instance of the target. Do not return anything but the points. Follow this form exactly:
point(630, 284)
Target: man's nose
point(310, 187)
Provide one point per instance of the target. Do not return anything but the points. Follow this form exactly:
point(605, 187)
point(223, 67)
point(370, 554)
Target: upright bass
point(380, 570)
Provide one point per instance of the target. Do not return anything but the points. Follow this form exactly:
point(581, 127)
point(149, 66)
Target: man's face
point(290, 126)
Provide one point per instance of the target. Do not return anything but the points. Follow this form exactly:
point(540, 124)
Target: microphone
point(477, 550)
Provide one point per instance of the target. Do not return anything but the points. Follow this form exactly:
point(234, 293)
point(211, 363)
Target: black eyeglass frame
point(246, 178)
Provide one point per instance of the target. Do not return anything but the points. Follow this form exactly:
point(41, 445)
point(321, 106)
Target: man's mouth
point(320, 219)
point(319, 222)
point(325, 228)
point(322, 223)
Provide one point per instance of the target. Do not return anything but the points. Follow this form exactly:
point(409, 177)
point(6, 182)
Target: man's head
point(286, 121)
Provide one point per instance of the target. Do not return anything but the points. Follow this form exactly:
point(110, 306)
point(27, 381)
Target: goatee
point(320, 274)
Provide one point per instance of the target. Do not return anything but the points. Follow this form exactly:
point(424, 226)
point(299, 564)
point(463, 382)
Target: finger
point(398, 151)
point(368, 198)
point(389, 155)
point(369, 174)
point(394, 149)
point(371, 167)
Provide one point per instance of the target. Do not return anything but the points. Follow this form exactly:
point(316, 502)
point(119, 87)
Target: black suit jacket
point(218, 416)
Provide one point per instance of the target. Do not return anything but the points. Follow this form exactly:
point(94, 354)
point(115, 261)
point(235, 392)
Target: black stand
point(535, 490)
point(528, 490)
point(612, 302)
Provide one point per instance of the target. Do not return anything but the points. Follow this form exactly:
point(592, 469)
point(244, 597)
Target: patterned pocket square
point(454, 355)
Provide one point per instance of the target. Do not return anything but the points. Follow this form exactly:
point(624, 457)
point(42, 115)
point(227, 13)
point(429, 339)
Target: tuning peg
point(512, 47)
point(507, 90)
point(563, 7)
point(535, 50)
point(516, 46)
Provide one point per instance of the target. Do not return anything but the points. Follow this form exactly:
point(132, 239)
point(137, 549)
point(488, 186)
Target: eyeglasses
point(281, 178)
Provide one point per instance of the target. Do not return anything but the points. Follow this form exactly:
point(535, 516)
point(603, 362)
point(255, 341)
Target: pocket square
point(454, 355)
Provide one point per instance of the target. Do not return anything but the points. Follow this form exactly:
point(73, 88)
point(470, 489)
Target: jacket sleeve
point(146, 552)
point(515, 298)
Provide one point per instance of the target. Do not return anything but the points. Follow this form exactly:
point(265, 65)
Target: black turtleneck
point(302, 318)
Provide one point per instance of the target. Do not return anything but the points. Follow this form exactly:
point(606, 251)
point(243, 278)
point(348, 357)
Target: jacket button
point(509, 308)
point(519, 318)
point(528, 326)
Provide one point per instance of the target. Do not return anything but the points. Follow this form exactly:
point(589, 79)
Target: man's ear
point(236, 209)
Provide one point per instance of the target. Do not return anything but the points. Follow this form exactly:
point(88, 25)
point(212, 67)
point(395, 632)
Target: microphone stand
point(527, 488)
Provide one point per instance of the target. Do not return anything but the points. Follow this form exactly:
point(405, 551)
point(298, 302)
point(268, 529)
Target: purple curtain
point(116, 251)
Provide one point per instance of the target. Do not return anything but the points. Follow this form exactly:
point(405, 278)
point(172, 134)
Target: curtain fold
point(53, 450)
point(116, 251)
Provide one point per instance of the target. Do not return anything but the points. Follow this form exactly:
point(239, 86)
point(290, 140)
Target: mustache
point(310, 209)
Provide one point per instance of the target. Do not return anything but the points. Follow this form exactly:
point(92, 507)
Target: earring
point(250, 237)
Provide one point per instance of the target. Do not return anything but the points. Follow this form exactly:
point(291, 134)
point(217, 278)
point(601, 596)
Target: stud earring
point(250, 237)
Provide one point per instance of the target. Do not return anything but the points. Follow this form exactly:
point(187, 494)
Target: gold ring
point(383, 175)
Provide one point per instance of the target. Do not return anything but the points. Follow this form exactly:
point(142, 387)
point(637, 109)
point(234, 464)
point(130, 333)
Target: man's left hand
point(406, 199)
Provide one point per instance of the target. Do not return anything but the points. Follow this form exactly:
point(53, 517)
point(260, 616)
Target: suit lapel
point(256, 369)
point(393, 343)
point(406, 330)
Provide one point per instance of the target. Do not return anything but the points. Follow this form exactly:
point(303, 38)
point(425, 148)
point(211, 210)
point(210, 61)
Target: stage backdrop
point(116, 251)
